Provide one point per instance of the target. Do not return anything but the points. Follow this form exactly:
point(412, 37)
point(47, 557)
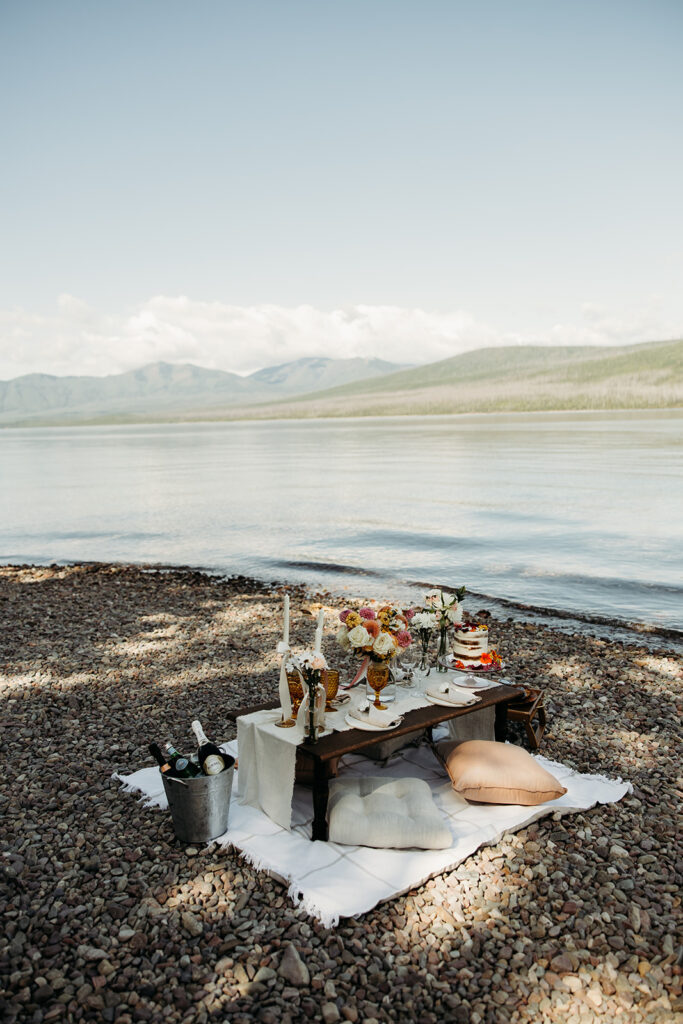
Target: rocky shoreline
point(107, 917)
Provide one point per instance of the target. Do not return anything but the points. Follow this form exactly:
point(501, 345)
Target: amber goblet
point(330, 680)
point(378, 677)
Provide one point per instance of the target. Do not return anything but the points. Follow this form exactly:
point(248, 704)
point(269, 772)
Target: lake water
point(580, 512)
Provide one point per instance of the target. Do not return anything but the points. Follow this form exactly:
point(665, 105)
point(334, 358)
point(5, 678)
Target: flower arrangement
point(310, 666)
point(446, 608)
point(379, 635)
point(423, 624)
point(447, 611)
point(307, 662)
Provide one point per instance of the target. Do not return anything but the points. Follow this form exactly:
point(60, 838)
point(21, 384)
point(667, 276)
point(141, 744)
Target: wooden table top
point(338, 743)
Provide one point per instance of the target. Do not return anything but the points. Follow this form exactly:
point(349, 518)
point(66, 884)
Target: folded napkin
point(451, 694)
point(373, 716)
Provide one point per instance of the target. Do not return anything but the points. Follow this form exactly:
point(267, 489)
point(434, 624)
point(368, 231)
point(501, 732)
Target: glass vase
point(313, 724)
point(442, 653)
point(424, 653)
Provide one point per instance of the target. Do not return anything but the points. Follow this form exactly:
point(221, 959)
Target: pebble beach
point(107, 917)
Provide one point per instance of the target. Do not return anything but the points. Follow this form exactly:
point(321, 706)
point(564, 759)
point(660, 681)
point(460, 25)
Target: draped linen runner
point(268, 754)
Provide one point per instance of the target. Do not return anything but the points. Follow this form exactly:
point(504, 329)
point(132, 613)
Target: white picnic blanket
point(268, 753)
point(331, 881)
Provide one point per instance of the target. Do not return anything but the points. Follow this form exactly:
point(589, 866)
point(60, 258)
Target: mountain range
point(169, 391)
point(509, 379)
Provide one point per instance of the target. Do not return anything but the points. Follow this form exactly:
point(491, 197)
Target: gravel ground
point(107, 917)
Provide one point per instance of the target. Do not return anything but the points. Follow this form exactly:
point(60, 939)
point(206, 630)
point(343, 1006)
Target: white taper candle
point(319, 630)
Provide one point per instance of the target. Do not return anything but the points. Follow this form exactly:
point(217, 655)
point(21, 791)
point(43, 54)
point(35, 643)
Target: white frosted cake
point(471, 647)
point(471, 640)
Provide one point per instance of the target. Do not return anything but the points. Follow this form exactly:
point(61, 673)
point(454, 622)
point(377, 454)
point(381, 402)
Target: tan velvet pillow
point(497, 773)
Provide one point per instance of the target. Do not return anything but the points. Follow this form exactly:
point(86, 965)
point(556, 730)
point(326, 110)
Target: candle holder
point(296, 695)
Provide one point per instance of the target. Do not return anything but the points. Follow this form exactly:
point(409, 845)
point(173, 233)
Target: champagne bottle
point(164, 766)
point(211, 757)
point(182, 768)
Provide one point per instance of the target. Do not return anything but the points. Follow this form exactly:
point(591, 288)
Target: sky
point(238, 184)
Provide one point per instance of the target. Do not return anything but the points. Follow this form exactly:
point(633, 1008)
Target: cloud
point(76, 339)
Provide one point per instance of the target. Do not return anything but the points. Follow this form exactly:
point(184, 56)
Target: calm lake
point(580, 512)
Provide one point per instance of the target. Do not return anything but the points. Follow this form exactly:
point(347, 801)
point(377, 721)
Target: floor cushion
point(387, 814)
point(484, 771)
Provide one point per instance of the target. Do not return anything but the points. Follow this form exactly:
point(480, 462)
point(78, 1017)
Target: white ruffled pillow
point(386, 814)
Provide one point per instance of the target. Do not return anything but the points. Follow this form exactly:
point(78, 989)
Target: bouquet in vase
point(377, 637)
point(446, 610)
point(309, 666)
point(423, 625)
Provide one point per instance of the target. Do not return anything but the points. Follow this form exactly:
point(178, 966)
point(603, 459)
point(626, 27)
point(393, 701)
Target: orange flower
point(372, 627)
point(486, 659)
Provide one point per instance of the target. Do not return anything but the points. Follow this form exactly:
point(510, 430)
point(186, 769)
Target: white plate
point(357, 723)
point(472, 682)
point(449, 703)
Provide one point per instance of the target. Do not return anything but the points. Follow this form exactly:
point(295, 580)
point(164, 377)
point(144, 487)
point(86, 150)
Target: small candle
point(319, 630)
point(285, 626)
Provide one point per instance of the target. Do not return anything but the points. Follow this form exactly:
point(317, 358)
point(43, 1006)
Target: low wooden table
point(354, 740)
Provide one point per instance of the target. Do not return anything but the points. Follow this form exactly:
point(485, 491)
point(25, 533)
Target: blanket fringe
point(605, 779)
point(157, 800)
point(310, 907)
point(294, 890)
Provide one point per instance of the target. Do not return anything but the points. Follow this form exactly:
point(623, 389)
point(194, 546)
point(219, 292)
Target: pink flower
point(408, 614)
point(345, 614)
point(367, 613)
point(404, 639)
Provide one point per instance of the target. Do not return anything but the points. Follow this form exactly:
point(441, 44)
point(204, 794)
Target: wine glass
point(407, 661)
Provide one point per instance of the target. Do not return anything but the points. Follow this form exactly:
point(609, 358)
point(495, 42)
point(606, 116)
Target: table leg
point(321, 792)
point(500, 728)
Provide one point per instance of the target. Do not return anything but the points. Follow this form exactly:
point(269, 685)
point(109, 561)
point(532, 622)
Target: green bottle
point(182, 768)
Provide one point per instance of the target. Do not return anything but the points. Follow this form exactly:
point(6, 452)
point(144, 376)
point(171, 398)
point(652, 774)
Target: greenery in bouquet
point(377, 635)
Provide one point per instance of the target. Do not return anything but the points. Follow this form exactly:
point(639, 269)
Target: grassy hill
point(514, 379)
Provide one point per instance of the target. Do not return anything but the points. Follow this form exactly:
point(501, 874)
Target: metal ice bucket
point(200, 807)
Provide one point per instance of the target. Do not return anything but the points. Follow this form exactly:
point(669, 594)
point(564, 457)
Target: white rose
point(433, 597)
point(454, 613)
point(343, 638)
point(359, 637)
point(384, 645)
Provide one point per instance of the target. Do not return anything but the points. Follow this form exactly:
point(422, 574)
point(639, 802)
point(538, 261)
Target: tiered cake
point(471, 646)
